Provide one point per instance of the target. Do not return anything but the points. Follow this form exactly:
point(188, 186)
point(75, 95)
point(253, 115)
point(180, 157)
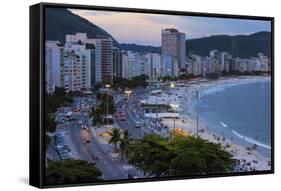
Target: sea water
point(241, 112)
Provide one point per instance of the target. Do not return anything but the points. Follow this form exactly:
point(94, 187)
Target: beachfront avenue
point(108, 139)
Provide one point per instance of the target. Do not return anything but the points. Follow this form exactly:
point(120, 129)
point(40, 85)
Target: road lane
point(109, 168)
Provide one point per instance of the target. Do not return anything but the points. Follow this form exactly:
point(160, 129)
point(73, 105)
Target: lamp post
point(172, 85)
point(174, 106)
point(107, 91)
point(197, 115)
point(128, 92)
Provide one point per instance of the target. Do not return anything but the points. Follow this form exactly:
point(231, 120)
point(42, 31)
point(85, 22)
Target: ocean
point(241, 112)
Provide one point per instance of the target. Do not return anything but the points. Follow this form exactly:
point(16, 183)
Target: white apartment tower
point(53, 56)
point(103, 53)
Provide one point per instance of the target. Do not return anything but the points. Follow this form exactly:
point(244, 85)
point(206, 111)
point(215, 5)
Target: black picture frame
point(37, 98)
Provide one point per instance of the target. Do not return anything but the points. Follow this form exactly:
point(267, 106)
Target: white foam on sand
point(223, 124)
point(251, 140)
point(221, 85)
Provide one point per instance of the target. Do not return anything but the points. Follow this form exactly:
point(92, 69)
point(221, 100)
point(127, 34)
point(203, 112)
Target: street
point(93, 151)
point(110, 170)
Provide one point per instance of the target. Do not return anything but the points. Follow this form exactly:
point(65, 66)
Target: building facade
point(117, 62)
point(173, 44)
point(53, 59)
point(169, 66)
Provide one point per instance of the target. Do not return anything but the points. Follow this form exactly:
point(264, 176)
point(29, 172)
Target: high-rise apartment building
point(104, 51)
point(264, 62)
point(170, 66)
point(197, 67)
point(53, 56)
point(76, 67)
point(117, 62)
point(173, 44)
point(214, 55)
point(103, 55)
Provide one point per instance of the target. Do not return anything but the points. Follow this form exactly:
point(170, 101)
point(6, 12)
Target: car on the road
point(84, 127)
point(122, 118)
point(137, 124)
point(132, 175)
point(76, 110)
point(71, 119)
point(122, 114)
point(86, 141)
point(79, 122)
point(95, 157)
point(60, 121)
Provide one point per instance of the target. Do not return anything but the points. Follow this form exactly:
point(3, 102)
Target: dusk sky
point(145, 29)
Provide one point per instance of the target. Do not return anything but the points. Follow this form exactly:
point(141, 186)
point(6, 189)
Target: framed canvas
point(121, 95)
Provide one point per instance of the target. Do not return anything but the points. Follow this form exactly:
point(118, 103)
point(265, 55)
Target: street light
point(107, 91)
point(128, 92)
point(174, 106)
point(197, 113)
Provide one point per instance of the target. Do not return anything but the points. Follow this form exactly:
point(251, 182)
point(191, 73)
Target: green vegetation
point(115, 137)
point(140, 48)
point(180, 77)
point(120, 138)
point(158, 156)
point(50, 124)
point(71, 171)
point(47, 140)
point(57, 99)
point(131, 84)
point(53, 102)
point(60, 21)
point(99, 113)
point(124, 144)
point(244, 46)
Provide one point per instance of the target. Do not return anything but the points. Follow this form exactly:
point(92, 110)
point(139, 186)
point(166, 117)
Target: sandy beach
point(249, 158)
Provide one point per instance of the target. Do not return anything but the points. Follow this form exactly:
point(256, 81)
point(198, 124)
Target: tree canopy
point(71, 171)
point(158, 156)
point(130, 83)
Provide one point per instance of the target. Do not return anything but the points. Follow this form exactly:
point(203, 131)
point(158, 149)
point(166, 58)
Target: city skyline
point(107, 105)
point(148, 27)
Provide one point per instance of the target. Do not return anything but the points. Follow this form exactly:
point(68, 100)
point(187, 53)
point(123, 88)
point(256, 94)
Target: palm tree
point(122, 146)
point(115, 137)
point(124, 142)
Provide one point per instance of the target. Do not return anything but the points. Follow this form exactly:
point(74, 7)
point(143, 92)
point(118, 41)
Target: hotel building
point(173, 44)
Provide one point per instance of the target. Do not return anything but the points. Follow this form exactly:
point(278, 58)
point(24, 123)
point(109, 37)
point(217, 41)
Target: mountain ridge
point(243, 46)
point(60, 21)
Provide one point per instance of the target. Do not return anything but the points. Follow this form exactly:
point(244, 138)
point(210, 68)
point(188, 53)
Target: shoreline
point(242, 152)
